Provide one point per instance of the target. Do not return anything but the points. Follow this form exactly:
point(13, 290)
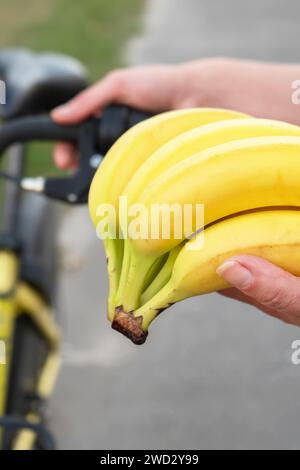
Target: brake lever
point(73, 188)
point(88, 137)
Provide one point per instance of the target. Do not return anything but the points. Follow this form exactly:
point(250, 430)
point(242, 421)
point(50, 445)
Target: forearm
point(260, 89)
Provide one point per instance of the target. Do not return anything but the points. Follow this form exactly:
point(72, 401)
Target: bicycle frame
point(8, 281)
point(15, 299)
point(19, 298)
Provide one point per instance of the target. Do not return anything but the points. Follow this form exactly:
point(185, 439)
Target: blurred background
point(94, 32)
point(214, 373)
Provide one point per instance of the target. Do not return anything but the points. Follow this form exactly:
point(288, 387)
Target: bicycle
point(28, 325)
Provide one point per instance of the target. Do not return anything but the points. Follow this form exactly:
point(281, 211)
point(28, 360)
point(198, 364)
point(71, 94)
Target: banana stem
point(124, 273)
point(129, 293)
point(134, 325)
point(162, 277)
point(155, 270)
point(134, 273)
point(158, 283)
point(166, 297)
point(114, 253)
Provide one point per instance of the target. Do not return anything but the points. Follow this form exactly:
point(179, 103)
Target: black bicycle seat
point(36, 83)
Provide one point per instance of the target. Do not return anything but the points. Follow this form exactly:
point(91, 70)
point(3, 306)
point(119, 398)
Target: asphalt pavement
point(214, 373)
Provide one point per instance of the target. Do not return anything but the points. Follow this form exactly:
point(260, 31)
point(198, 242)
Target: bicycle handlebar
point(93, 138)
point(35, 128)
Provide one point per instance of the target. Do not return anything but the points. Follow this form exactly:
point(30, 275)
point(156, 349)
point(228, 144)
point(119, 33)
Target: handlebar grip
point(136, 116)
point(35, 128)
point(115, 120)
point(92, 138)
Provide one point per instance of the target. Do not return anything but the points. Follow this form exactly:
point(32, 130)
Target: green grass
point(93, 31)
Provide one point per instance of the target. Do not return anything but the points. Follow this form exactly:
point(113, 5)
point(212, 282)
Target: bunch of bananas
point(244, 171)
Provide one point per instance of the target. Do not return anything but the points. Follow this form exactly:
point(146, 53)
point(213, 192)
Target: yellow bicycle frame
point(18, 298)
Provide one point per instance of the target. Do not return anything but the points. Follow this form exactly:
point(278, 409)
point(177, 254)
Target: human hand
point(263, 285)
point(153, 88)
point(256, 88)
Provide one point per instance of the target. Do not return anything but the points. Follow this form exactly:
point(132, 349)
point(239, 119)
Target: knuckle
point(78, 101)
point(118, 83)
point(117, 77)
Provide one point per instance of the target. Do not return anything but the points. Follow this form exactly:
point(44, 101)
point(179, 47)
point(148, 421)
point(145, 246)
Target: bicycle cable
point(10, 178)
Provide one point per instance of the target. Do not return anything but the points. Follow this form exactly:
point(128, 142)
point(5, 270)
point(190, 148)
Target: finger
point(233, 293)
point(64, 155)
point(90, 101)
point(269, 286)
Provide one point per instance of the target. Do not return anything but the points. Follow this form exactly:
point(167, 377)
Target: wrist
point(218, 86)
point(209, 83)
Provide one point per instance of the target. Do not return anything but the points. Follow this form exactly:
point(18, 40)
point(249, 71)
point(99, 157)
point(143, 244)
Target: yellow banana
point(197, 139)
point(137, 144)
point(271, 234)
point(123, 159)
point(182, 147)
point(226, 179)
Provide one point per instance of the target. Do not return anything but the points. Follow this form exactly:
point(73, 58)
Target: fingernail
point(235, 274)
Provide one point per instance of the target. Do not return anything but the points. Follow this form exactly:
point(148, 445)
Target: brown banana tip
point(129, 325)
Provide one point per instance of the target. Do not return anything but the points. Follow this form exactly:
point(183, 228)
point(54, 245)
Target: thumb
point(268, 285)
